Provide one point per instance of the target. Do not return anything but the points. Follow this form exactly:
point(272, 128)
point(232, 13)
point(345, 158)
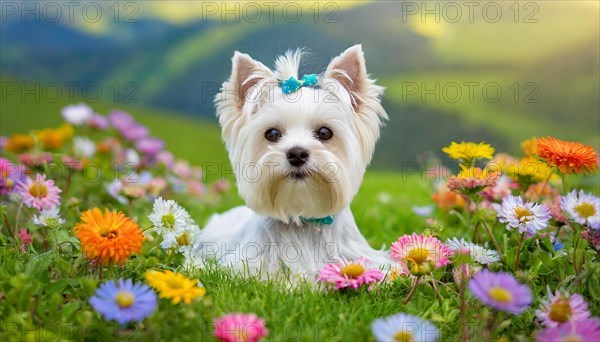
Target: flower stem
point(18, 218)
point(575, 251)
point(493, 238)
point(519, 252)
point(463, 308)
point(565, 183)
point(412, 290)
point(475, 233)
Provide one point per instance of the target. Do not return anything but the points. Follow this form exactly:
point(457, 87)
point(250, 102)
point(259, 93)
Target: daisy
point(404, 328)
point(77, 114)
point(568, 157)
point(351, 274)
point(84, 147)
point(120, 120)
point(582, 208)
point(477, 253)
point(419, 254)
point(99, 122)
point(124, 302)
point(239, 327)
point(500, 291)
point(472, 180)
point(587, 330)
point(527, 217)
point(40, 194)
point(49, 218)
point(108, 237)
point(175, 286)
point(562, 307)
point(466, 152)
point(168, 218)
point(150, 146)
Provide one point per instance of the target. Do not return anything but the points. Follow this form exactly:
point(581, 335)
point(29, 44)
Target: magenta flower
point(150, 146)
point(120, 120)
point(40, 194)
point(6, 171)
point(99, 122)
point(352, 274)
point(419, 254)
point(25, 237)
point(240, 327)
point(587, 330)
point(134, 132)
point(500, 291)
point(32, 160)
point(562, 307)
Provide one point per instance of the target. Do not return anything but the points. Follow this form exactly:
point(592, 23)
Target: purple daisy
point(134, 132)
point(150, 146)
point(501, 291)
point(587, 330)
point(120, 120)
point(124, 302)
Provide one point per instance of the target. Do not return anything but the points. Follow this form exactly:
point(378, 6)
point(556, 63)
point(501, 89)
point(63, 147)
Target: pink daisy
point(239, 327)
point(40, 194)
point(350, 273)
point(562, 307)
point(587, 330)
point(419, 254)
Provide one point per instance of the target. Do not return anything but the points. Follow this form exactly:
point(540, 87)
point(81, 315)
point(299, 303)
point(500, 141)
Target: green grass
point(46, 290)
point(190, 138)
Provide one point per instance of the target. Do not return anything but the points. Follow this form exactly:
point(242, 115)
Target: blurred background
point(498, 72)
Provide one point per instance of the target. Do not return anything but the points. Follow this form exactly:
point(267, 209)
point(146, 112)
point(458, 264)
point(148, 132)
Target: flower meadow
point(100, 221)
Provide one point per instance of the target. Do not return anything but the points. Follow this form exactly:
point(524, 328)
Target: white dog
point(299, 149)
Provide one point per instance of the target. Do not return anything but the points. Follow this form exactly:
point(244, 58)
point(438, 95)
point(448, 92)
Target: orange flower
point(568, 157)
point(447, 200)
point(19, 143)
point(107, 238)
point(55, 138)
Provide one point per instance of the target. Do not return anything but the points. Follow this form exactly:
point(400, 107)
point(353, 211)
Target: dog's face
point(303, 153)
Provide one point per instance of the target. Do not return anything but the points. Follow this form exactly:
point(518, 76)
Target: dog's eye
point(324, 133)
point(272, 134)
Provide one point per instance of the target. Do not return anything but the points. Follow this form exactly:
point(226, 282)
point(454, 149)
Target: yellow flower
point(468, 151)
point(530, 169)
point(175, 286)
point(529, 147)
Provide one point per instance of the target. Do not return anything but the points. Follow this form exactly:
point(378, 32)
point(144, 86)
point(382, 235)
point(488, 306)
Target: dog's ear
point(246, 73)
point(349, 71)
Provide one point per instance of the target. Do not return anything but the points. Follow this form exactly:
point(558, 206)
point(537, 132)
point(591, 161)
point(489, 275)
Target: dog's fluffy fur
point(268, 234)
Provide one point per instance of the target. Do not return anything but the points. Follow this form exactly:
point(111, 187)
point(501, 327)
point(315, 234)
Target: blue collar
point(328, 220)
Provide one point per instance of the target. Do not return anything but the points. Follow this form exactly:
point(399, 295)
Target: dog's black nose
point(297, 156)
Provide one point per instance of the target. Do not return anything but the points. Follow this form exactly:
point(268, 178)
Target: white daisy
point(582, 208)
point(49, 218)
point(170, 221)
point(404, 327)
point(526, 216)
point(77, 114)
point(84, 147)
point(477, 253)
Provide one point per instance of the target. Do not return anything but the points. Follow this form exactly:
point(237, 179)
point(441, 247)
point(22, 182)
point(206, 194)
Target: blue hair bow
point(292, 84)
